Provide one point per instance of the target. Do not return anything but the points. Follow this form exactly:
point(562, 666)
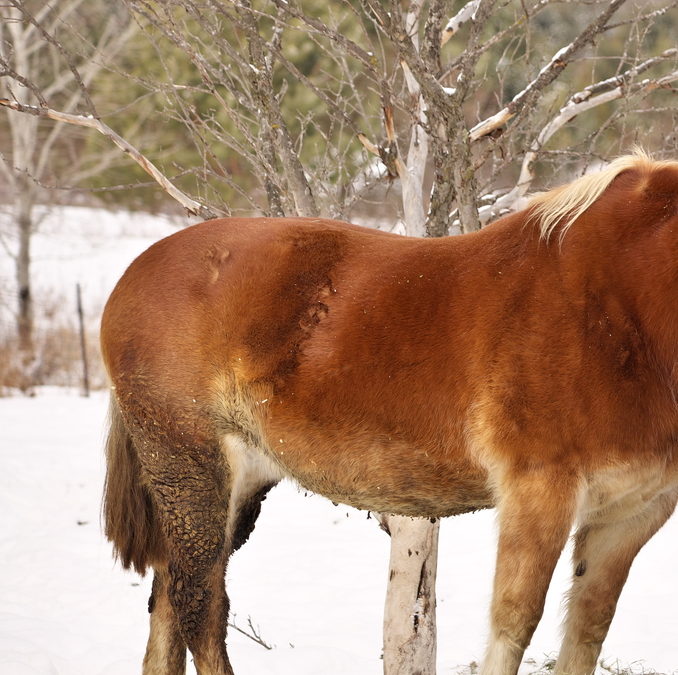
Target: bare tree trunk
point(410, 609)
point(28, 51)
point(466, 185)
point(25, 312)
point(23, 138)
point(274, 126)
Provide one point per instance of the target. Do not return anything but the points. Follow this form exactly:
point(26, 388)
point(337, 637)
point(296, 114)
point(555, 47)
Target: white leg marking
point(502, 657)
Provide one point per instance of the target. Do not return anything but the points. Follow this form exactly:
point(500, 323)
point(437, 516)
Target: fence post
point(83, 343)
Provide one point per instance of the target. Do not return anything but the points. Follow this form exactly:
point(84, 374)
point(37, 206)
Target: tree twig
point(253, 635)
point(459, 19)
point(590, 97)
point(192, 206)
point(20, 6)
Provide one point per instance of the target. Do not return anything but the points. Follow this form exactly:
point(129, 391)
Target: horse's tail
point(130, 521)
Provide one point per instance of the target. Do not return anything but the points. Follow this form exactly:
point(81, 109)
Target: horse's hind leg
point(603, 553)
point(165, 651)
point(189, 486)
point(536, 511)
point(208, 506)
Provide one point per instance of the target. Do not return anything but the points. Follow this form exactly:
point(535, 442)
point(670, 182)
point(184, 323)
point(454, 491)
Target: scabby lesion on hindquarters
point(288, 310)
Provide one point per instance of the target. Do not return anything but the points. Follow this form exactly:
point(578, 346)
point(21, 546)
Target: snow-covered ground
point(312, 577)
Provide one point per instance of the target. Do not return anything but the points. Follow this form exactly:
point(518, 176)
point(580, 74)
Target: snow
point(80, 245)
point(312, 577)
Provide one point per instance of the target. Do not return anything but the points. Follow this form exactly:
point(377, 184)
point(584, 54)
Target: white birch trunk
point(21, 46)
point(23, 134)
point(410, 610)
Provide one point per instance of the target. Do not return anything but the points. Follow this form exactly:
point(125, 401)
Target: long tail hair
point(129, 516)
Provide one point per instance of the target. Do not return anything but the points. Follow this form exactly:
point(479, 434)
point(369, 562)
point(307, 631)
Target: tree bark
point(410, 609)
point(25, 312)
point(465, 183)
point(275, 128)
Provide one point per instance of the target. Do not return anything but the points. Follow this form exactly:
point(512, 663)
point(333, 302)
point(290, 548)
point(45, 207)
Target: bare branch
point(109, 45)
point(645, 17)
point(547, 74)
point(65, 9)
point(459, 19)
point(300, 77)
point(341, 40)
point(368, 145)
point(431, 44)
point(591, 97)
point(8, 71)
point(276, 128)
point(487, 44)
point(253, 634)
point(59, 47)
point(192, 206)
point(472, 53)
point(625, 77)
point(606, 91)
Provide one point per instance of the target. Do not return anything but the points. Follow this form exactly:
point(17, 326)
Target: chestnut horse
point(531, 366)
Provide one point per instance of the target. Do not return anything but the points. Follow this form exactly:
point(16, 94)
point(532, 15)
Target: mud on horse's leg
point(165, 651)
point(604, 551)
point(190, 493)
point(536, 511)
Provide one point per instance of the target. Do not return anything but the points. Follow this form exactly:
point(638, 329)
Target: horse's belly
point(380, 476)
point(422, 501)
point(424, 498)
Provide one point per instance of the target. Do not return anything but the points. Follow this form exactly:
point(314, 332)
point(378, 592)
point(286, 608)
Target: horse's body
point(505, 368)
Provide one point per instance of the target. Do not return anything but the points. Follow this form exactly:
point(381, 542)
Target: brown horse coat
point(532, 365)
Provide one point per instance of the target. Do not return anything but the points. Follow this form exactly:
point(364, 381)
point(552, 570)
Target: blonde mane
point(563, 205)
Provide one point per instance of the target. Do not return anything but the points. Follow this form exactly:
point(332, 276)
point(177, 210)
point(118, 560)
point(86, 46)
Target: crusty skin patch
point(295, 303)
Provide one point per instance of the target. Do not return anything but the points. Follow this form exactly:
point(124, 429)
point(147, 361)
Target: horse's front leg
point(536, 511)
point(605, 547)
